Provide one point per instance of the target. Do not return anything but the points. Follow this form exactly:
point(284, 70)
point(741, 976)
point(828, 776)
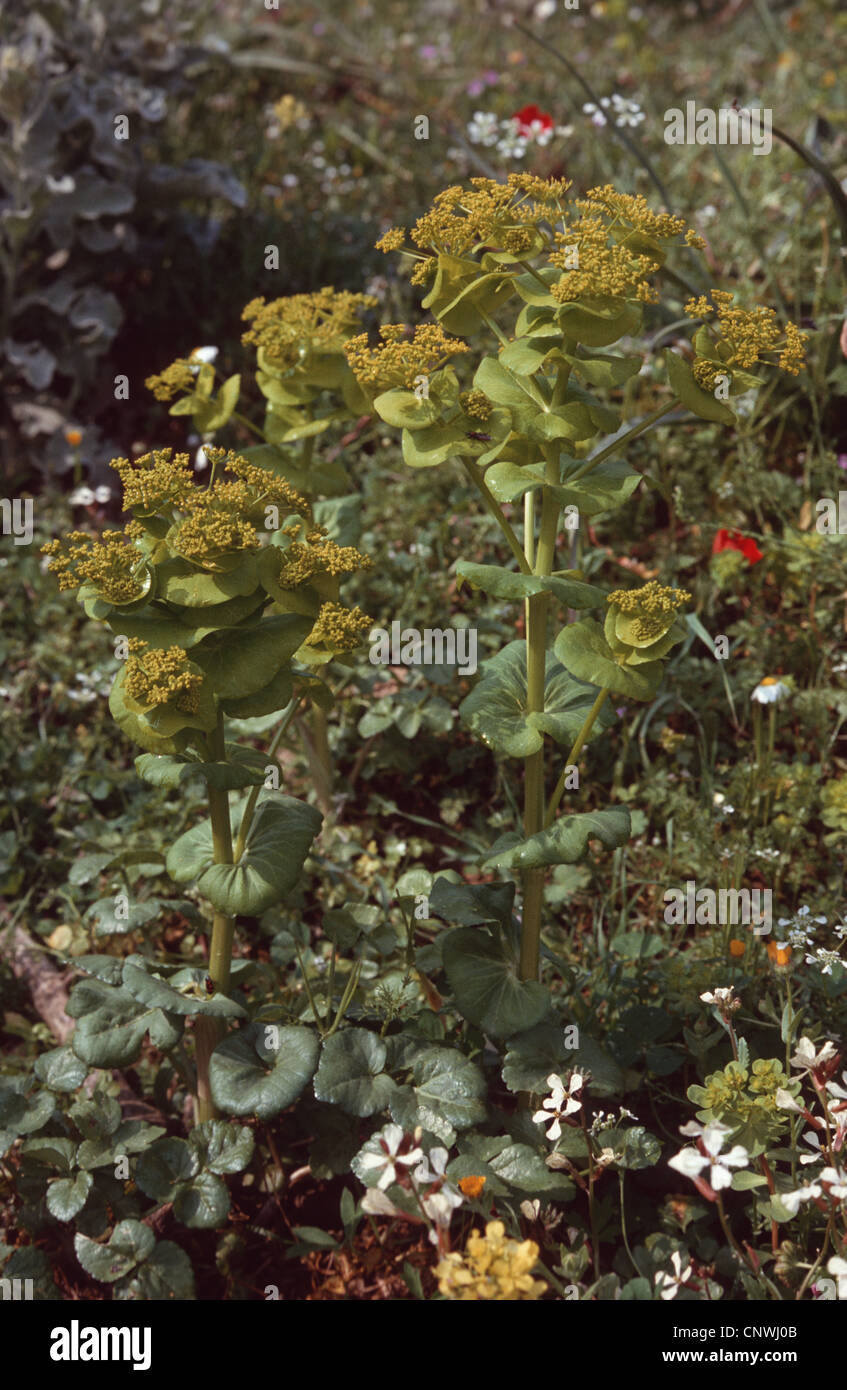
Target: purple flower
point(842, 460)
point(475, 88)
point(430, 53)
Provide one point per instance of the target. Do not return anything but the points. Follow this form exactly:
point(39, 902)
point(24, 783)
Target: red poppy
point(733, 540)
point(528, 115)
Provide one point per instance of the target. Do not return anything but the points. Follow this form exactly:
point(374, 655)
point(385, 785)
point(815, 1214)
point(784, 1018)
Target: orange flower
point(471, 1186)
point(73, 437)
point(779, 955)
point(736, 947)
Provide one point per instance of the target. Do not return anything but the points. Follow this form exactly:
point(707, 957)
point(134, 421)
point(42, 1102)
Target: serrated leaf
point(166, 1275)
point(129, 1245)
point(447, 1094)
point(223, 1147)
point(203, 1203)
point(165, 1166)
point(67, 1196)
point(60, 1070)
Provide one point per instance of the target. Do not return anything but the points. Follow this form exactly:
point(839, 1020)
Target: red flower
point(733, 540)
point(528, 116)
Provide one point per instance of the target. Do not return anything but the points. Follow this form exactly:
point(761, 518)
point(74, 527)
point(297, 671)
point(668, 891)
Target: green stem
point(623, 439)
point(536, 663)
point(475, 475)
point(574, 754)
point(208, 1031)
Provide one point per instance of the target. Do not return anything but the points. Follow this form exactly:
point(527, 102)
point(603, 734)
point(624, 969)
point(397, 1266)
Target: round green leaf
point(248, 1077)
point(130, 1243)
point(67, 1196)
point(351, 1072)
point(485, 984)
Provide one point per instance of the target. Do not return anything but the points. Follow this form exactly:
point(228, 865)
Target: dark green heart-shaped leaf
point(67, 1196)
point(447, 1094)
point(351, 1073)
point(249, 1077)
point(129, 1245)
point(485, 984)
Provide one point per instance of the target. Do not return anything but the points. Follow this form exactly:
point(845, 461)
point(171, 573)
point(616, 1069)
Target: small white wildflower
point(82, 497)
point(724, 997)
point(559, 1103)
point(201, 355)
point(62, 185)
point(691, 1162)
point(770, 691)
point(808, 1059)
point(807, 1193)
point(484, 128)
point(387, 1157)
point(836, 1179)
point(668, 1285)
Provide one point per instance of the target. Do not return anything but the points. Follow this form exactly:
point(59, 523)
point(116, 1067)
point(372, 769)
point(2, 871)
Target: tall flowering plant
point(221, 597)
point(552, 282)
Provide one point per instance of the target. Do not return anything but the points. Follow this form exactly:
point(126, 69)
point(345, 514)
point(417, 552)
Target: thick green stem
point(208, 1031)
point(536, 663)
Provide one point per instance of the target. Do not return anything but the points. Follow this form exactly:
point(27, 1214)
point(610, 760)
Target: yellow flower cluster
point(288, 329)
point(257, 487)
point(108, 563)
point(339, 627)
point(155, 676)
point(399, 360)
point(393, 240)
point(749, 333)
point(493, 1268)
point(155, 481)
point(476, 404)
point(178, 377)
point(650, 607)
point(463, 219)
point(209, 532)
point(601, 268)
point(632, 210)
point(318, 555)
point(288, 111)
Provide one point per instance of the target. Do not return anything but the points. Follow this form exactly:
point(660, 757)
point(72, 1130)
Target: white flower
point(82, 497)
point(544, 9)
point(785, 1101)
point(770, 690)
point(811, 1138)
point(102, 493)
point(439, 1207)
point(484, 128)
point(559, 1103)
point(627, 113)
point(792, 1200)
point(825, 959)
point(201, 355)
point(201, 459)
point(597, 116)
point(837, 1180)
point(691, 1161)
point(807, 1058)
point(721, 997)
point(387, 1158)
point(375, 1203)
point(63, 185)
point(426, 1174)
point(669, 1285)
point(512, 142)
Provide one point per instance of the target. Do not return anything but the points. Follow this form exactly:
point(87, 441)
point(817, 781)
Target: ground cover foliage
point(331, 968)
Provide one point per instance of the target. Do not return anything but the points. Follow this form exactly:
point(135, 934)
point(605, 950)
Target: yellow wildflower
point(288, 111)
point(742, 336)
point(155, 481)
point(339, 628)
point(318, 555)
point(107, 562)
point(476, 404)
point(393, 240)
point(399, 360)
point(155, 676)
point(289, 329)
point(174, 379)
point(650, 610)
point(492, 1268)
